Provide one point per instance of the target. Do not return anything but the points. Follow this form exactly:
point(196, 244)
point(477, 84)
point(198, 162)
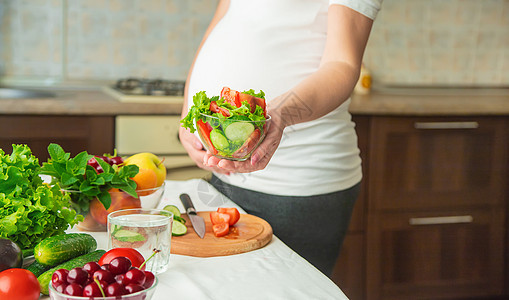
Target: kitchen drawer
point(437, 162)
point(446, 255)
point(156, 134)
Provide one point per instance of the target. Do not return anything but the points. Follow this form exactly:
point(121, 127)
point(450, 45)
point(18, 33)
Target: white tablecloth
point(272, 272)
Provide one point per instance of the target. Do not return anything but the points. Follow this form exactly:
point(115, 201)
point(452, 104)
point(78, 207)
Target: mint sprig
point(83, 182)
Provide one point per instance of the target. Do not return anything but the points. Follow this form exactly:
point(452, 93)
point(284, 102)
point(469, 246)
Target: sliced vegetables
point(223, 219)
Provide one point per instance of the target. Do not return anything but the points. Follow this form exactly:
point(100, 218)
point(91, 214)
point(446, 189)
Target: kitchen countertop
point(406, 101)
point(272, 272)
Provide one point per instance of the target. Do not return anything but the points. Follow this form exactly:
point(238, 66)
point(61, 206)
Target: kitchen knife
point(197, 221)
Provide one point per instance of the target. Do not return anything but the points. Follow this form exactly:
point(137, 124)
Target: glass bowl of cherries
point(113, 281)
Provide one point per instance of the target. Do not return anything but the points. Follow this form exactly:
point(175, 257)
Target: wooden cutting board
point(248, 234)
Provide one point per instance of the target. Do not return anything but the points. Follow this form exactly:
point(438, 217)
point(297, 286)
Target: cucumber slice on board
point(239, 131)
point(219, 140)
point(178, 229)
point(173, 209)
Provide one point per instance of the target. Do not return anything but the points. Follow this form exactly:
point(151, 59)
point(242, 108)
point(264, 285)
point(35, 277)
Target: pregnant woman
point(306, 56)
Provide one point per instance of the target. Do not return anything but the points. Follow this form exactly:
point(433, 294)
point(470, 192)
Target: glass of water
point(143, 230)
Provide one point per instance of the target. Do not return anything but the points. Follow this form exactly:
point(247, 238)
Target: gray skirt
point(313, 226)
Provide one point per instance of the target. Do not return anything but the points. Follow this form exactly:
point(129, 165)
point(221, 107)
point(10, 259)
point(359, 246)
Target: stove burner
point(155, 87)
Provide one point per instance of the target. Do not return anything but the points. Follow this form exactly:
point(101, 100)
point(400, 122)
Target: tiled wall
point(414, 42)
point(83, 40)
point(441, 42)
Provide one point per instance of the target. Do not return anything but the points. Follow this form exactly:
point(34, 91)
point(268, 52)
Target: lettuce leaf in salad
point(201, 105)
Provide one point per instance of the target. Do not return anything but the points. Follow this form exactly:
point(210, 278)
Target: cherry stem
point(100, 287)
point(155, 252)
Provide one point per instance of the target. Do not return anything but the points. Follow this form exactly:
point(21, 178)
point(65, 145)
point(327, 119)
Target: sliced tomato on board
point(232, 212)
point(253, 102)
point(218, 218)
point(216, 109)
point(221, 229)
point(231, 96)
point(204, 130)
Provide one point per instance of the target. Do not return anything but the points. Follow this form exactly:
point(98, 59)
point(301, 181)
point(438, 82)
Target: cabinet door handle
point(446, 125)
point(441, 220)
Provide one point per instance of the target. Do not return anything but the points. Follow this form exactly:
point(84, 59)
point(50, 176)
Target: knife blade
point(197, 221)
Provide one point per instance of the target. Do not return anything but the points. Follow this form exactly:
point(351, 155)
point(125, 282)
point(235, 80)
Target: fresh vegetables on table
point(19, 284)
point(81, 175)
point(223, 219)
point(60, 248)
point(230, 125)
point(29, 209)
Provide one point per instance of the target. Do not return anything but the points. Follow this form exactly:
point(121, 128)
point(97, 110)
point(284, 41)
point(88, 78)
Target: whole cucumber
point(59, 248)
point(37, 268)
point(45, 278)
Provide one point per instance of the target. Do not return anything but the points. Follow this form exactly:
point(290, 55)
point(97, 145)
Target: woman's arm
point(327, 88)
point(190, 142)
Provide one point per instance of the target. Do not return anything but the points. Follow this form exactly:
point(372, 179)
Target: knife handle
point(188, 204)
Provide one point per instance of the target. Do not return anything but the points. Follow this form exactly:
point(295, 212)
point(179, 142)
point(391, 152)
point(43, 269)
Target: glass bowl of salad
point(231, 138)
point(230, 126)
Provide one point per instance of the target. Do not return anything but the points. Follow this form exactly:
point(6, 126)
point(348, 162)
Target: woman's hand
point(196, 152)
point(260, 157)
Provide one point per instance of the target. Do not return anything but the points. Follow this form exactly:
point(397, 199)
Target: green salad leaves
point(30, 210)
point(201, 106)
point(83, 182)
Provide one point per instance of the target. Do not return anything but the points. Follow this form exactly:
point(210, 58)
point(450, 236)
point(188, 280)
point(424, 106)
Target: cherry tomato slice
point(19, 284)
point(134, 256)
point(232, 211)
point(218, 218)
point(215, 109)
point(231, 96)
point(221, 229)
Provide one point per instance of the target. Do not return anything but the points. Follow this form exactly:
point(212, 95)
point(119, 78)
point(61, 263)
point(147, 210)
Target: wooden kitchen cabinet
point(95, 134)
point(349, 272)
point(436, 215)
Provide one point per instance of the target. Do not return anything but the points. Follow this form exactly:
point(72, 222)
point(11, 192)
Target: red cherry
point(103, 275)
point(116, 160)
point(106, 267)
point(92, 289)
point(59, 277)
point(120, 265)
point(91, 267)
point(60, 288)
point(120, 278)
point(149, 279)
point(133, 288)
point(115, 289)
point(135, 276)
point(73, 289)
point(77, 275)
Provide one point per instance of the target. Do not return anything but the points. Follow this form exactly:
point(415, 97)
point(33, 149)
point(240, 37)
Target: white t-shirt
point(272, 45)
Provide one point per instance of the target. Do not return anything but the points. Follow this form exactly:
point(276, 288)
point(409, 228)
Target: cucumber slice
point(173, 209)
point(128, 236)
point(219, 140)
point(239, 131)
point(178, 229)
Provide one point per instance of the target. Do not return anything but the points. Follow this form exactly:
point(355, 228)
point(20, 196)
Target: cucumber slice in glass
point(239, 131)
point(178, 229)
point(218, 139)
